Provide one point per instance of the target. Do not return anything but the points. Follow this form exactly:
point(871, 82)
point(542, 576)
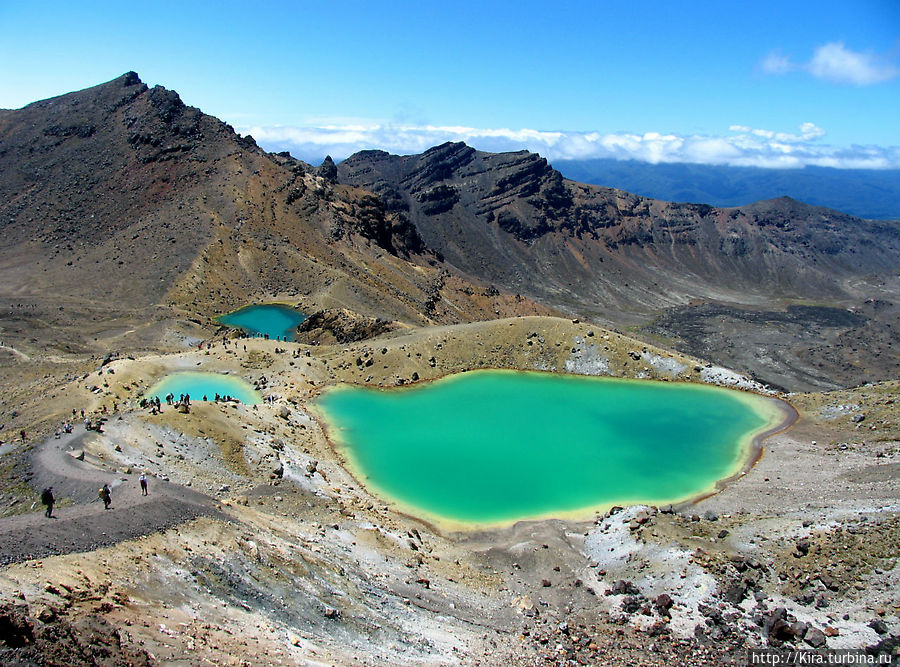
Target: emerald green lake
point(197, 384)
point(497, 446)
point(272, 320)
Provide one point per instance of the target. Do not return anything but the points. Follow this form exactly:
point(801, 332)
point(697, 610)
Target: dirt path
point(15, 352)
point(85, 525)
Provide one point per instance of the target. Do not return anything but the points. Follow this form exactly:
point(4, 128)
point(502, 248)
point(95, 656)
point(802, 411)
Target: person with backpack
point(143, 481)
point(48, 500)
point(105, 496)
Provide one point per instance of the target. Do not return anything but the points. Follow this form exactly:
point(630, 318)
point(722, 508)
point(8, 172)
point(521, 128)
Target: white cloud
point(835, 62)
point(775, 63)
point(743, 146)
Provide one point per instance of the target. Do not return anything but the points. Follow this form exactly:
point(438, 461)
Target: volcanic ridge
point(130, 221)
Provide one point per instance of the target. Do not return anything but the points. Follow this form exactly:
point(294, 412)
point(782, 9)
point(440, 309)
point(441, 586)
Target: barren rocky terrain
point(130, 220)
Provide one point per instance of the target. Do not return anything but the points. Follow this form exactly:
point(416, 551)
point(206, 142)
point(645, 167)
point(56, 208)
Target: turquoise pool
point(273, 320)
point(498, 446)
point(197, 384)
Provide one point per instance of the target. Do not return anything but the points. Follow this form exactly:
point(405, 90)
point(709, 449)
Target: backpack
point(46, 497)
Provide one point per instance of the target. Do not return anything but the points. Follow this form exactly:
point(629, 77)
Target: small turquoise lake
point(272, 320)
point(197, 384)
point(496, 446)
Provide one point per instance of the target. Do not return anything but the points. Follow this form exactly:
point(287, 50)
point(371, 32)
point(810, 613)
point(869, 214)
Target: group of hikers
point(104, 494)
point(155, 405)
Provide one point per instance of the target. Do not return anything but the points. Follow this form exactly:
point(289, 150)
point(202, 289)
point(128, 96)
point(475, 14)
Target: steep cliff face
point(120, 199)
point(513, 218)
point(621, 258)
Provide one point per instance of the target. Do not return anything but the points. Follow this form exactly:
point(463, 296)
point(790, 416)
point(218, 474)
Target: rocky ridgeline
point(511, 220)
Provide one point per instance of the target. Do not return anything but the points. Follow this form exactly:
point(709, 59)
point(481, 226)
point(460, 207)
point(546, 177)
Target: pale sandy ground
point(309, 568)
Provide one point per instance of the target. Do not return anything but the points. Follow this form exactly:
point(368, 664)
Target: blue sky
point(762, 83)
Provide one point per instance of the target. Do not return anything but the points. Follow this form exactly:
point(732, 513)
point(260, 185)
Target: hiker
point(143, 481)
point(22, 433)
point(48, 500)
point(105, 496)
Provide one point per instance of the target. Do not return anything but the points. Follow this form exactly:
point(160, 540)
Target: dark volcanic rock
point(514, 221)
point(815, 638)
point(342, 326)
point(54, 640)
point(328, 169)
point(121, 197)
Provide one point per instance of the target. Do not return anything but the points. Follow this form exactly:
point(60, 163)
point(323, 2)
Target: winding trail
point(15, 352)
point(85, 525)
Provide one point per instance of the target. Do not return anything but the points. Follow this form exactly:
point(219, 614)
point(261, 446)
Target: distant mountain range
point(867, 193)
point(120, 204)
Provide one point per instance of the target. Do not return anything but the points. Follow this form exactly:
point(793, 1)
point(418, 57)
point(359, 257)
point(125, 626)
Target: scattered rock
point(663, 603)
point(623, 587)
point(815, 638)
point(878, 626)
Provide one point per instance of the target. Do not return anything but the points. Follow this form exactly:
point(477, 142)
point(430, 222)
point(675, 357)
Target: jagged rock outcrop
point(327, 170)
point(340, 325)
point(512, 220)
point(508, 217)
point(121, 199)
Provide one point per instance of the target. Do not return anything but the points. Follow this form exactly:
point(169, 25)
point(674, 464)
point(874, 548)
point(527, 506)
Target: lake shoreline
point(779, 418)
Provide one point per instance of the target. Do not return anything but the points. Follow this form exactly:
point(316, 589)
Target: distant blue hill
point(867, 193)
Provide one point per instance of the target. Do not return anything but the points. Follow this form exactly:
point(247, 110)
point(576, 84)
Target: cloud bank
point(743, 146)
point(836, 63)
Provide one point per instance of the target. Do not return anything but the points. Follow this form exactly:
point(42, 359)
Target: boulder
point(623, 587)
point(781, 631)
point(632, 603)
point(878, 626)
point(815, 638)
point(663, 603)
point(799, 628)
point(735, 593)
